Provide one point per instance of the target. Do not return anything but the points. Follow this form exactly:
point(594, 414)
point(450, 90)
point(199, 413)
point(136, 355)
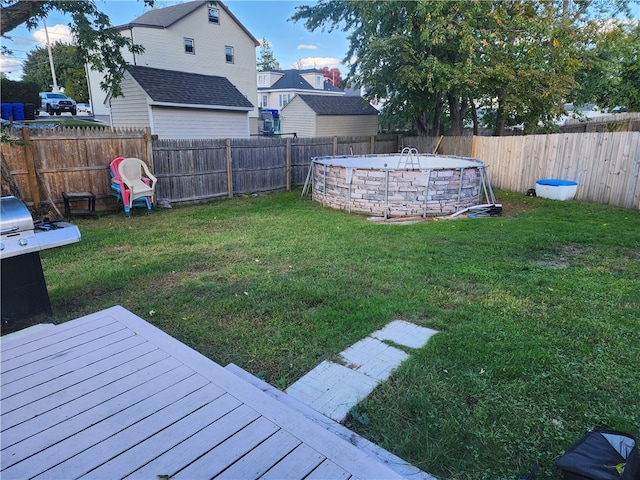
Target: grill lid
point(20, 235)
point(14, 216)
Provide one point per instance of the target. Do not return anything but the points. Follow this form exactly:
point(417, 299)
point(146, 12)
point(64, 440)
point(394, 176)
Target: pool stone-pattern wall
point(396, 192)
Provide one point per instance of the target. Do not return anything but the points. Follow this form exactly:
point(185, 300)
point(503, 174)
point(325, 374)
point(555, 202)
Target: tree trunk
point(9, 184)
point(428, 123)
point(458, 110)
point(474, 116)
point(501, 115)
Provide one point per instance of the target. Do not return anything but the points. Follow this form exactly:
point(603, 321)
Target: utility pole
point(53, 70)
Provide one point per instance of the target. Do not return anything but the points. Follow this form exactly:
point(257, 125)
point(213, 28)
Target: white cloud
point(8, 65)
point(307, 47)
point(57, 33)
point(318, 62)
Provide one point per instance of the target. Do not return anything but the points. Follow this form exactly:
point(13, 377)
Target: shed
point(181, 105)
point(327, 116)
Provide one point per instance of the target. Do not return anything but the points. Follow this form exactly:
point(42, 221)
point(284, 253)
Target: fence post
point(473, 146)
point(227, 148)
point(288, 163)
point(31, 168)
point(372, 144)
point(149, 147)
point(335, 146)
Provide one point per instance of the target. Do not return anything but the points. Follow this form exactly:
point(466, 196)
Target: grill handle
point(9, 230)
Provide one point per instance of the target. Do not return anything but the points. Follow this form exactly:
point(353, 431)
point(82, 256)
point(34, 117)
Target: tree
point(98, 43)
point(18, 92)
point(433, 59)
point(610, 71)
point(333, 76)
point(266, 58)
point(69, 66)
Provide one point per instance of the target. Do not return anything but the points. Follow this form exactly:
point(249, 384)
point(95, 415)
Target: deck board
point(301, 461)
point(110, 396)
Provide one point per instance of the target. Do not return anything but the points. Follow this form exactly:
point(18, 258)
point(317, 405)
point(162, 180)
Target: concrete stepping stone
point(405, 333)
point(333, 389)
point(373, 358)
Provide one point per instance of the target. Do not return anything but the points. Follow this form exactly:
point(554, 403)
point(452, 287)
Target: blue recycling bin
point(7, 111)
point(18, 112)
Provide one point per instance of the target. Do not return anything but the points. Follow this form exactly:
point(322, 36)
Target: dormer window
point(214, 15)
point(318, 81)
point(262, 81)
point(189, 47)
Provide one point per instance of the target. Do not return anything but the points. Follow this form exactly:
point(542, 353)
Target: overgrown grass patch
point(538, 313)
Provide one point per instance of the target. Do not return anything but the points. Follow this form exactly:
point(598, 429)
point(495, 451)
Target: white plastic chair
point(138, 180)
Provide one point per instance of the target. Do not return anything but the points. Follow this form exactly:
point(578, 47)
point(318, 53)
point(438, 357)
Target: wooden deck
point(110, 396)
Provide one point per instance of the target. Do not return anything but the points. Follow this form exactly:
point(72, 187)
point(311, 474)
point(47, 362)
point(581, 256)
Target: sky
point(267, 19)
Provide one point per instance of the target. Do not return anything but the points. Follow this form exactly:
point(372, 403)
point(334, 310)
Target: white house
point(199, 38)
point(327, 116)
point(181, 105)
point(276, 88)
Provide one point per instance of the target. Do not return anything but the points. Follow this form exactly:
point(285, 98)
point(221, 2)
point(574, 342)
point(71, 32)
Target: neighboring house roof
point(293, 80)
point(326, 105)
point(171, 87)
point(165, 17)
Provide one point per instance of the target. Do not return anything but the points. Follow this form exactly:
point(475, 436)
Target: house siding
point(189, 123)
point(298, 117)
point(346, 125)
point(130, 110)
point(164, 49)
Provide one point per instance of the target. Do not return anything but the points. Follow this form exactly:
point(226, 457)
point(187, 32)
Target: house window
point(214, 15)
point(284, 99)
point(318, 81)
point(228, 53)
point(188, 46)
point(262, 81)
point(264, 102)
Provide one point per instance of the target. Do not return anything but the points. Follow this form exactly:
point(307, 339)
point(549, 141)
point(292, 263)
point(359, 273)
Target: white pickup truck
point(57, 103)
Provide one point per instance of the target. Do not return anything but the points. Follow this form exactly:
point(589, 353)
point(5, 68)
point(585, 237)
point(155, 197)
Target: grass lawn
point(538, 313)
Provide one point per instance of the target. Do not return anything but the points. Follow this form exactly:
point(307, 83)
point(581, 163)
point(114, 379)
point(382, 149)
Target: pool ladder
point(409, 158)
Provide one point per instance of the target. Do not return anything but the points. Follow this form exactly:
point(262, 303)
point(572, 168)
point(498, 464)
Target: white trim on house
point(200, 107)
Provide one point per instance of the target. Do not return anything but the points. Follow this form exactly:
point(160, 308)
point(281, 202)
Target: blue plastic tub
point(556, 189)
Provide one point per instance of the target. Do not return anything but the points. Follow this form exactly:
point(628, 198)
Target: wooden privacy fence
point(48, 162)
point(606, 165)
point(195, 170)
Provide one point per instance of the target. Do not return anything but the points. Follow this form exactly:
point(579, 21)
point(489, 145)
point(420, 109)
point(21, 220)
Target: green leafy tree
point(18, 92)
point(433, 60)
point(610, 72)
point(69, 66)
point(266, 58)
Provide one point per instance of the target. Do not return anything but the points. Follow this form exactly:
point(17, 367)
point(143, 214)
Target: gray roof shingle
point(169, 86)
point(292, 79)
point(329, 105)
point(165, 17)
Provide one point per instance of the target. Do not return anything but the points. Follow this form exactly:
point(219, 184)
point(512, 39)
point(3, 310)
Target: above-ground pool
point(406, 184)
